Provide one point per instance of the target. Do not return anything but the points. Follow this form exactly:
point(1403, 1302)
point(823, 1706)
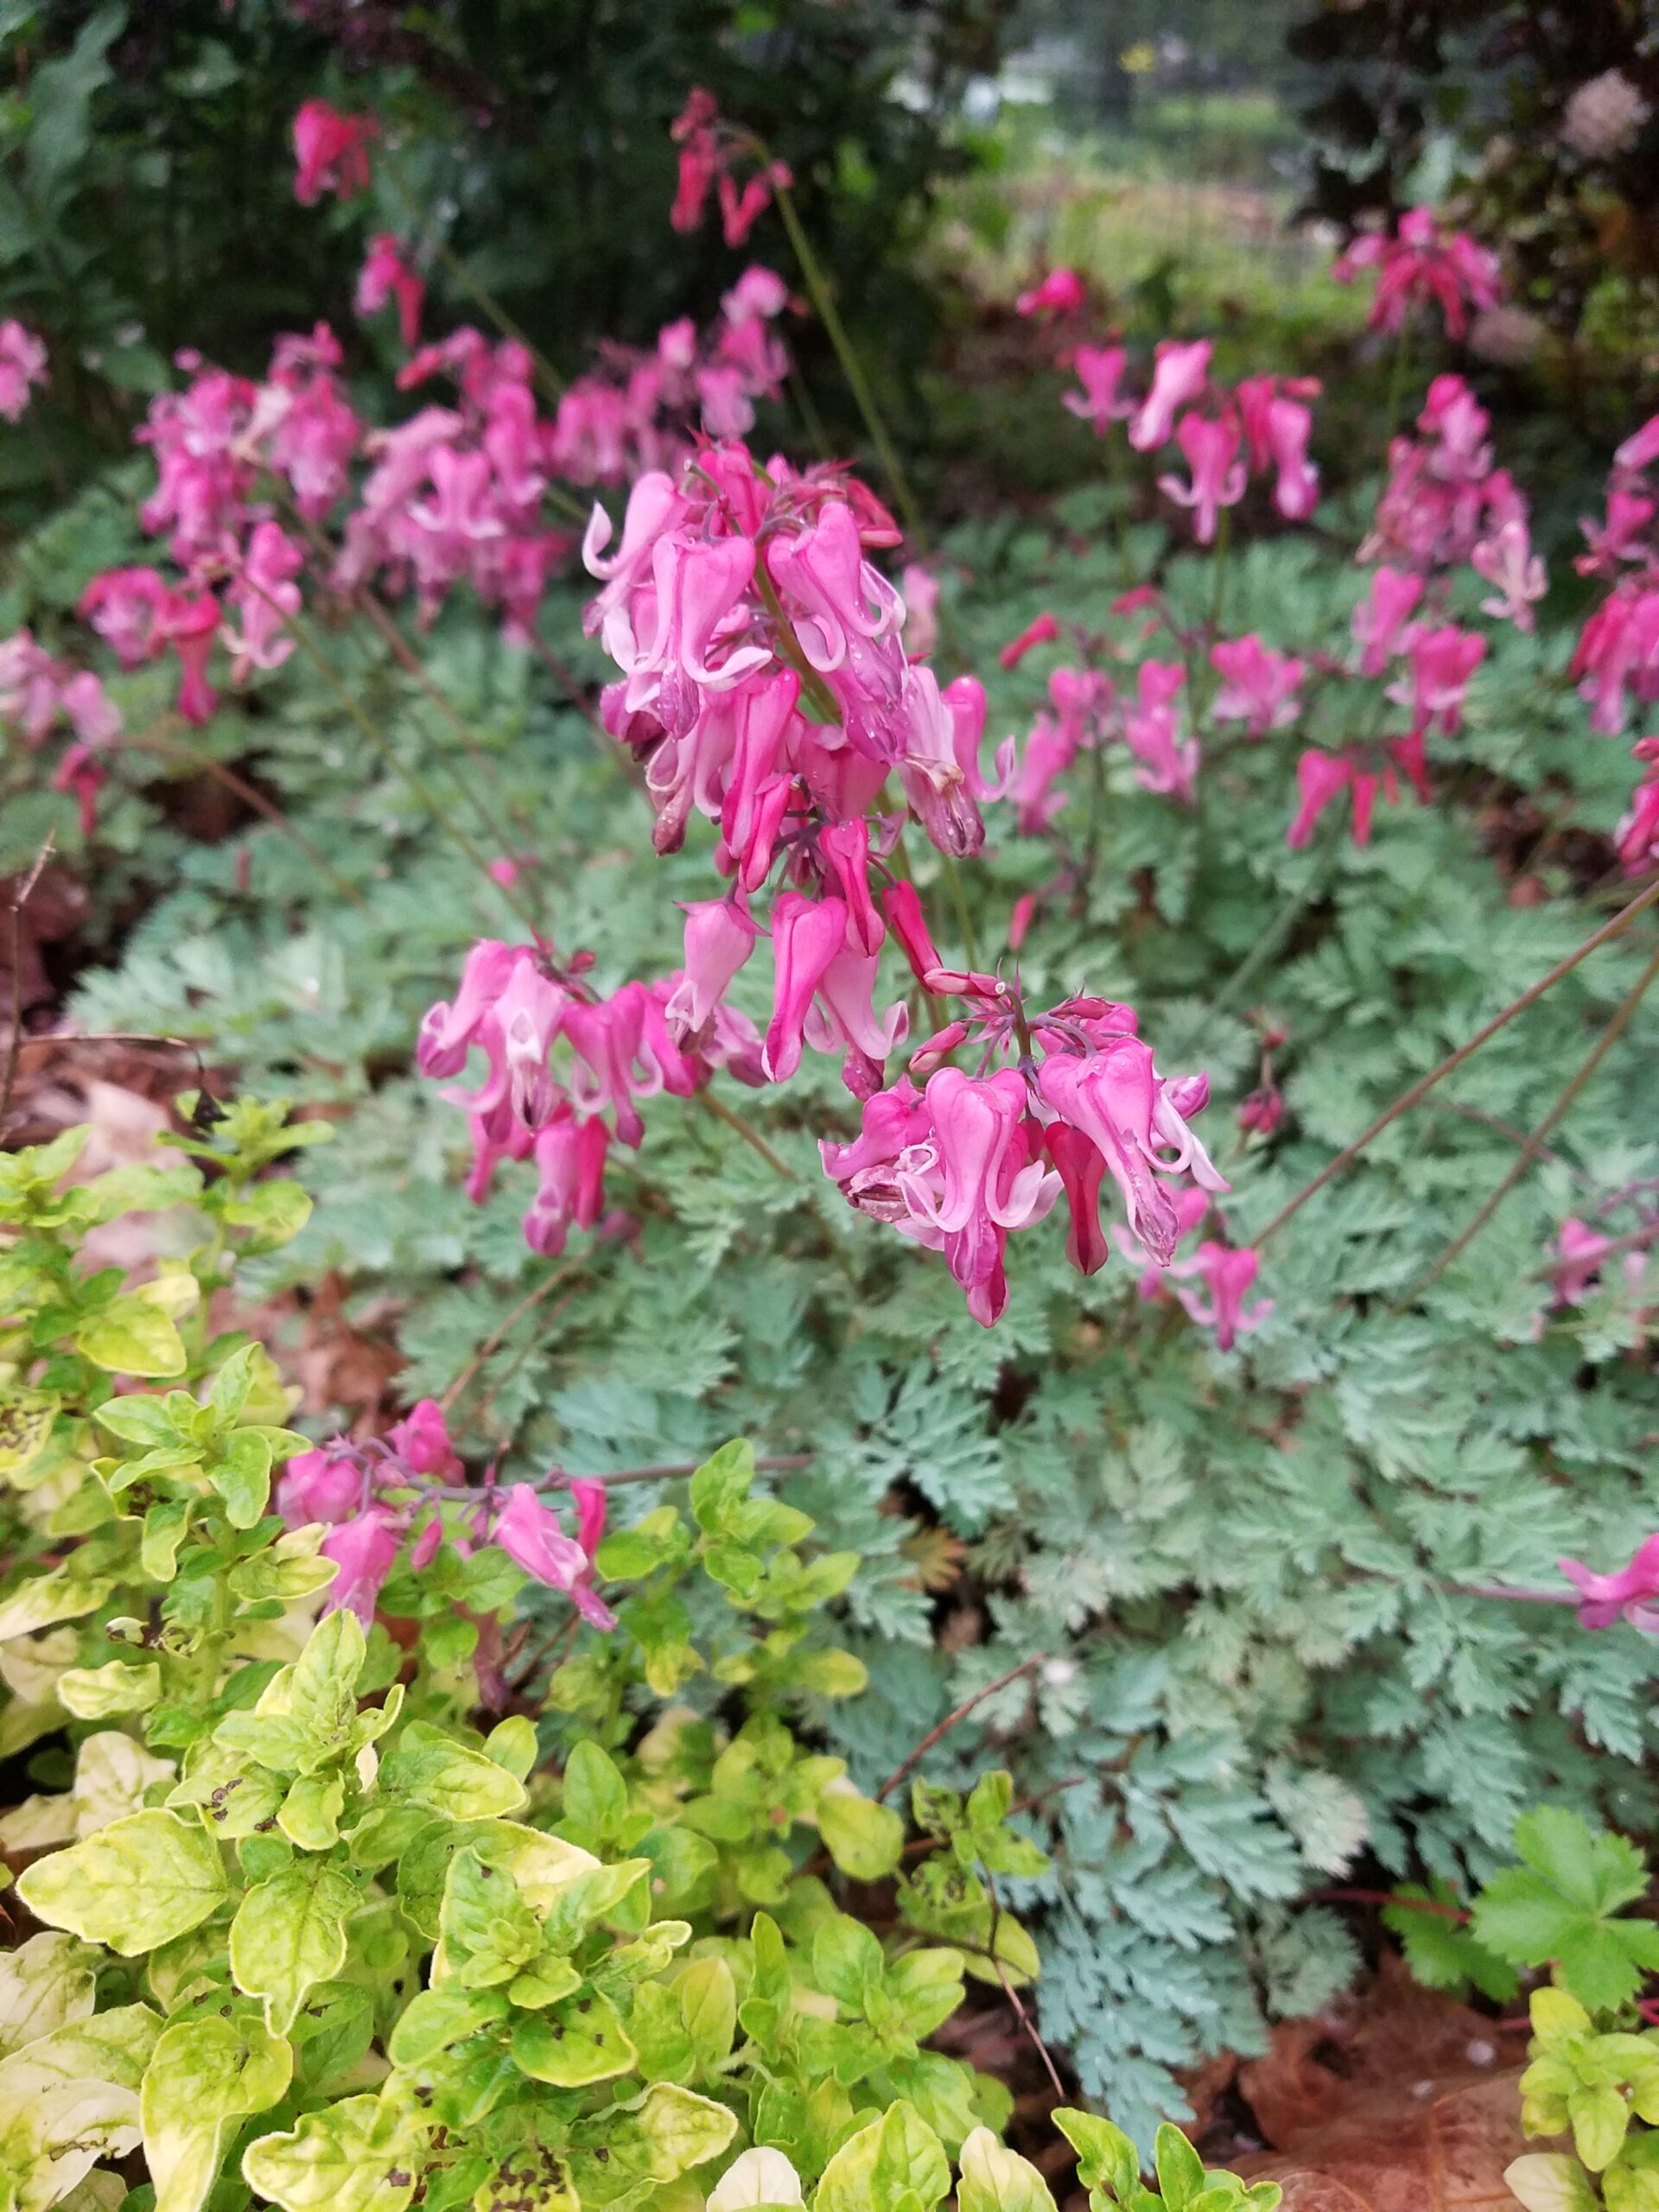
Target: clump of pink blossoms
point(1423, 262)
point(22, 366)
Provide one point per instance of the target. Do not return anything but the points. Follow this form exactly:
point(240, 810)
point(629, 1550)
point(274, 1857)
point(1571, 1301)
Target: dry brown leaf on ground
point(1402, 2100)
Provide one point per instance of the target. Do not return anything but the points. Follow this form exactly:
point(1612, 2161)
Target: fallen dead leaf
point(1398, 2101)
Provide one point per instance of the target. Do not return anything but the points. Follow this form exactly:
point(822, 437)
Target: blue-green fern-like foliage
point(1238, 1569)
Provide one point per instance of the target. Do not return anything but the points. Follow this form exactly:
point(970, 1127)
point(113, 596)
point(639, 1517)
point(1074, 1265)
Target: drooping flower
point(420, 1442)
point(1507, 562)
point(323, 1484)
point(1042, 630)
point(388, 274)
point(1228, 1272)
point(1442, 661)
point(365, 1551)
point(1258, 685)
point(1180, 369)
point(806, 936)
point(719, 938)
point(22, 366)
point(1061, 292)
point(1211, 449)
point(1169, 762)
point(1630, 1593)
point(1099, 370)
point(1424, 261)
point(528, 1532)
point(1381, 616)
point(331, 151)
point(1262, 1110)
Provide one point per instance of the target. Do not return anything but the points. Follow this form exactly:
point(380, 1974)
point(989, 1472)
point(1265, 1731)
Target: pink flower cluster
point(959, 1163)
point(331, 152)
point(22, 366)
point(765, 682)
point(1423, 262)
point(1261, 426)
point(631, 414)
point(38, 694)
point(710, 152)
point(1630, 1593)
point(1444, 504)
point(517, 1005)
point(1438, 660)
point(376, 1497)
point(1616, 659)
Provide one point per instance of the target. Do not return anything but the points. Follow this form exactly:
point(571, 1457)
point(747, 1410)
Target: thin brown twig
point(951, 1720)
point(499, 1336)
point(20, 898)
point(1634, 1240)
point(1013, 1994)
point(250, 796)
point(1619, 922)
point(1622, 1017)
point(1387, 1897)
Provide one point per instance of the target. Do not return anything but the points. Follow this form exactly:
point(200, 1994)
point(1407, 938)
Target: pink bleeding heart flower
point(528, 1532)
point(570, 1158)
point(331, 151)
point(1180, 373)
point(719, 938)
point(22, 366)
point(1258, 685)
point(1099, 370)
point(1061, 292)
point(420, 1442)
point(388, 274)
point(1114, 1097)
point(806, 936)
point(322, 1484)
point(1169, 762)
point(1227, 1274)
point(1442, 662)
point(1381, 616)
point(1210, 450)
point(1038, 631)
point(364, 1550)
point(977, 1179)
point(1262, 1110)
point(1507, 562)
point(1637, 832)
point(1631, 1593)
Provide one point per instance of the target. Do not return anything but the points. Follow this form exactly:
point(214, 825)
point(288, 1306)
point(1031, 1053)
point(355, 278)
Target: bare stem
point(1535, 1142)
point(950, 1721)
point(1620, 921)
point(168, 748)
point(723, 1112)
point(20, 898)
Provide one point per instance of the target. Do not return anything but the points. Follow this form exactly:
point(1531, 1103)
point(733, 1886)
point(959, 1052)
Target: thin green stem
point(417, 783)
point(952, 875)
point(1270, 941)
point(1421, 1088)
point(1536, 1142)
point(169, 748)
point(852, 367)
point(1397, 382)
point(753, 1138)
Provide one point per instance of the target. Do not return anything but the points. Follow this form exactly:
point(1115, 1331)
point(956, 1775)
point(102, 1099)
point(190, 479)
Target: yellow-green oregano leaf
point(997, 2179)
point(360, 2155)
point(205, 2077)
point(133, 1885)
point(96, 1693)
point(132, 1336)
point(897, 2155)
point(289, 1935)
point(864, 1839)
point(44, 1985)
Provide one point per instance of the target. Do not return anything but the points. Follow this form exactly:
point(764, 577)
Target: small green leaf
point(894, 2164)
point(579, 2040)
point(360, 2155)
point(1550, 2181)
point(132, 1337)
point(596, 1795)
point(997, 2179)
point(241, 1475)
point(437, 2017)
point(488, 1930)
point(708, 1998)
point(26, 1419)
point(204, 2078)
point(434, 1770)
point(289, 1935)
point(866, 1841)
point(722, 1484)
point(133, 1885)
point(95, 1693)
point(1106, 2157)
point(1180, 2170)
point(45, 1984)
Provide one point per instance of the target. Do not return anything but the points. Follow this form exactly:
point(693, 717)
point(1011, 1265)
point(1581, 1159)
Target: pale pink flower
point(388, 274)
point(528, 1532)
point(1258, 685)
point(1210, 450)
point(719, 938)
point(22, 366)
point(1169, 762)
point(1507, 562)
point(1099, 372)
point(1631, 1593)
point(1381, 616)
point(1228, 1275)
point(1180, 371)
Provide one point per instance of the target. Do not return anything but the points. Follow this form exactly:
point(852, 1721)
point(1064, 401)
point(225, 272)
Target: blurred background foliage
point(1197, 160)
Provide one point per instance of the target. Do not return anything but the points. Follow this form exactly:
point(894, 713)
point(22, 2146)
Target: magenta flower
point(1210, 450)
point(128, 608)
point(1099, 372)
point(1061, 292)
point(420, 1442)
point(1507, 562)
point(1258, 685)
point(1262, 1110)
point(1168, 762)
point(1321, 778)
point(191, 625)
point(1637, 833)
point(1622, 536)
point(364, 1550)
point(570, 1181)
point(1081, 1167)
point(323, 1484)
point(1423, 262)
point(1180, 373)
point(22, 366)
point(1278, 425)
point(1190, 1206)
point(265, 594)
point(719, 938)
point(331, 151)
point(1116, 1098)
point(1631, 1593)
point(1442, 662)
point(1038, 631)
point(846, 847)
point(1380, 618)
point(528, 1532)
point(806, 936)
point(388, 274)
point(1227, 1275)
point(976, 1179)
point(1618, 656)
